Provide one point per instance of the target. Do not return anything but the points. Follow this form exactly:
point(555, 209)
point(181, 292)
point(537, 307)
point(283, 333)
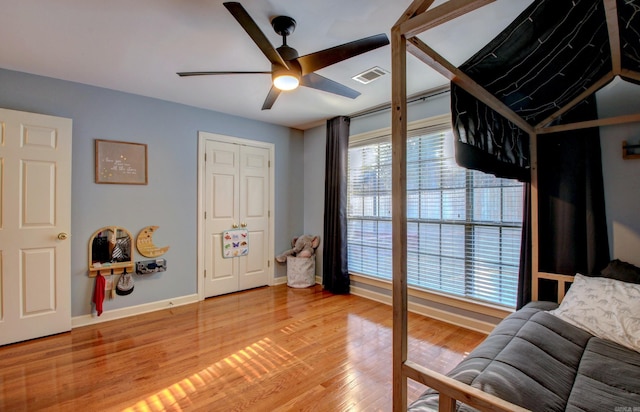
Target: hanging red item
point(98, 294)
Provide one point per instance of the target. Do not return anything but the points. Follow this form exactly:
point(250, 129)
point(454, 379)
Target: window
point(463, 226)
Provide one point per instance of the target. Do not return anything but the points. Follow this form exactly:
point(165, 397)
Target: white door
point(237, 190)
point(254, 215)
point(35, 220)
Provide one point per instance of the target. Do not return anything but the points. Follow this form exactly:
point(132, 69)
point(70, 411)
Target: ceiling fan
point(288, 70)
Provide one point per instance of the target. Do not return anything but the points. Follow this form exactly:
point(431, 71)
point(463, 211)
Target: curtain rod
point(419, 97)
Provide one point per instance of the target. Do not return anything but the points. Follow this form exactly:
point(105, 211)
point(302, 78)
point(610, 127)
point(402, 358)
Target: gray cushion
point(610, 388)
point(542, 363)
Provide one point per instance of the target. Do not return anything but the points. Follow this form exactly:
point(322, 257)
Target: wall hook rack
point(110, 250)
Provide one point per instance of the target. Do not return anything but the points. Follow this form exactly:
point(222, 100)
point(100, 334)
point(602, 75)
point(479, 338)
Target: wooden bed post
point(533, 203)
point(399, 213)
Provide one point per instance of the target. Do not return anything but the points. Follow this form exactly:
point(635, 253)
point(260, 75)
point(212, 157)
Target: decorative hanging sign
point(235, 243)
point(145, 245)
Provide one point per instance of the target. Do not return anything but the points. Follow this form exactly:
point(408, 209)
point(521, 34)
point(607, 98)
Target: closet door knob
point(63, 236)
point(235, 225)
point(243, 224)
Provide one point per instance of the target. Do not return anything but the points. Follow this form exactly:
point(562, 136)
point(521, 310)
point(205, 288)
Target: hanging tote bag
point(125, 284)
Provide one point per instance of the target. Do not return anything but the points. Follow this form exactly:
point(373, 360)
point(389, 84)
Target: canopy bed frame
point(418, 18)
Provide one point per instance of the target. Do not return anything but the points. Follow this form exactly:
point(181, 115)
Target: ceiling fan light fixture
point(286, 81)
point(287, 68)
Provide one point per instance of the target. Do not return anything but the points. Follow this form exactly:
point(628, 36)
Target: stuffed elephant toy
point(302, 246)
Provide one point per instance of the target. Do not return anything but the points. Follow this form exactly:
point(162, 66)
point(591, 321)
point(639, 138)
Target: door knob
point(235, 225)
point(243, 224)
point(63, 236)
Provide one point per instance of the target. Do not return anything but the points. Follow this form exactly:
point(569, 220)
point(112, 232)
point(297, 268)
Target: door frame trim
point(203, 137)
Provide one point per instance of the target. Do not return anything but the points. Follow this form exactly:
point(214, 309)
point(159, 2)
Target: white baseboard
point(452, 318)
point(92, 319)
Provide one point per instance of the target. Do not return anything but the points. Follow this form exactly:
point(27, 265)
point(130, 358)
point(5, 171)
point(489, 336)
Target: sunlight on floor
point(249, 364)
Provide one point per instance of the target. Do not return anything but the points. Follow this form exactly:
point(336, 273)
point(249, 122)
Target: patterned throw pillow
point(606, 308)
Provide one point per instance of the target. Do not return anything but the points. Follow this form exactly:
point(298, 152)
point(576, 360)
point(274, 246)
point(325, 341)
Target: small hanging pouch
point(125, 284)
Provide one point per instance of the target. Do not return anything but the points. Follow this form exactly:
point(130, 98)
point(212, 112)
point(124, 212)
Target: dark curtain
point(335, 268)
point(573, 227)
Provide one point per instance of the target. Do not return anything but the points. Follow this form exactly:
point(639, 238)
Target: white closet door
point(236, 192)
point(254, 210)
point(222, 200)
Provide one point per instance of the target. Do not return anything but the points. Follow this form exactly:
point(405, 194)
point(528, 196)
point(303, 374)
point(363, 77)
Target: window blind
point(463, 226)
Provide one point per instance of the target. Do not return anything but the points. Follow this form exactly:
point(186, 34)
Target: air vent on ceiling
point(370, 75)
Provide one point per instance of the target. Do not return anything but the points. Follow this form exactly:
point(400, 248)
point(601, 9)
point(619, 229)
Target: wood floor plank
point(268, 349)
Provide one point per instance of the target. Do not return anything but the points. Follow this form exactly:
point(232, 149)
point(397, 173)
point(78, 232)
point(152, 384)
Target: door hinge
point(269, 163)
point(268, 263)
point(205, 215)
point(205, 273)
point(205, 157)
point(269, 213)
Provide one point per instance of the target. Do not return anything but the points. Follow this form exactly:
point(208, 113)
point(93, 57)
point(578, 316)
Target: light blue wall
point(621, 177)
point(315, 142)
point(170, 199)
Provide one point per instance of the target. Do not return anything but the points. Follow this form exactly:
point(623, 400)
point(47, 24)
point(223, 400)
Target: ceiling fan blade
point(315, 81)
point(271, 98)
point(252, 29)
point(323, 58)
point(186, 74)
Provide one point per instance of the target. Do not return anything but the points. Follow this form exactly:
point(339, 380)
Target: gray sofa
point(538, 361)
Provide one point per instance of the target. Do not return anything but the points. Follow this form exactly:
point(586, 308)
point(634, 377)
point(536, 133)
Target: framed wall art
point(121, 162)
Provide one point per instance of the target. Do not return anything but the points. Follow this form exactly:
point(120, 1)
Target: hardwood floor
point(268, 349)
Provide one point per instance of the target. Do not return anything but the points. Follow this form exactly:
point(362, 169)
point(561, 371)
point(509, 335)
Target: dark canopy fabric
point(549, 55)
point(629, 24)
point(487, 141)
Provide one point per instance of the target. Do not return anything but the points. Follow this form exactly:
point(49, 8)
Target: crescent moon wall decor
point(145, 245)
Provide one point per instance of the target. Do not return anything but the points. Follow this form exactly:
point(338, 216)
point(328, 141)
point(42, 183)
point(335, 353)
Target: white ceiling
point(137, 46)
